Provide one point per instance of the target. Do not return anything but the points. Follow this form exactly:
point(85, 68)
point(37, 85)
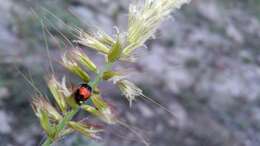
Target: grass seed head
point(55, 89)
point(73, 67)
point(128, 89)
point(86, 129)
point(144, 19)
point(97, 42)
point(82, 57)
point(40, 104)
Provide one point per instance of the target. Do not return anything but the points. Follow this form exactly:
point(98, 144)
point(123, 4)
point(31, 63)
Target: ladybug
point(82, 94)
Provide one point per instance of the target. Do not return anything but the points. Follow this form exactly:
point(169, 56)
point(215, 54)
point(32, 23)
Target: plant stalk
point(47, 142)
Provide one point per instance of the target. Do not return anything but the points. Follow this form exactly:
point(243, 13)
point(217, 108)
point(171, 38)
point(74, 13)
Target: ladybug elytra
point(83, 93)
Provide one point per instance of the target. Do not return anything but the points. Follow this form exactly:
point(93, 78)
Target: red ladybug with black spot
point(82, 94)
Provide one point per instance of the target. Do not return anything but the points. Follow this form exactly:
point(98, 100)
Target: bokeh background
point(204, 66)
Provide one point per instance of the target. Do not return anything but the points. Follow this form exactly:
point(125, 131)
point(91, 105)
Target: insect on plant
point(144, 18)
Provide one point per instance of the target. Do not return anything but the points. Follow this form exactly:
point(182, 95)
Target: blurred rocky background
point(204, 66)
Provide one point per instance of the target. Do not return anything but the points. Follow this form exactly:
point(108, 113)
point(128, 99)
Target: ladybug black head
point(86, 86)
